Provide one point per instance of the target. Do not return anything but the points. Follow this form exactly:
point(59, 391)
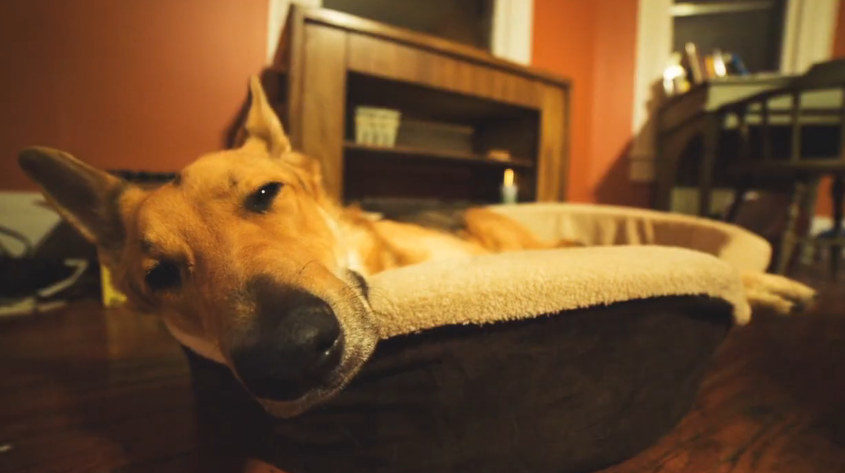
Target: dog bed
point(543, 361)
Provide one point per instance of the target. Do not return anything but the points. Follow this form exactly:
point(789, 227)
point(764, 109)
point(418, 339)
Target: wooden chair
point(789, 139)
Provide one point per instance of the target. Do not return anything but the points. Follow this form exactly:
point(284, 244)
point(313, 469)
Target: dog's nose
point(291, 351)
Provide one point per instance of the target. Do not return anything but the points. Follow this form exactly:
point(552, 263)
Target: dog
point(249, 262)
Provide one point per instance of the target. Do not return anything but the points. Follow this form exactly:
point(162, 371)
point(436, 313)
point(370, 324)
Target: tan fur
point(776, 294)
point(199, 222)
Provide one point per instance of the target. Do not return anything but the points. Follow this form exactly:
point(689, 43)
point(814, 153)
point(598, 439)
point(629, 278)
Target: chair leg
point(787, 241)
point(837, 195)
point(739, 197)
point(808, 208)
point(705, 174)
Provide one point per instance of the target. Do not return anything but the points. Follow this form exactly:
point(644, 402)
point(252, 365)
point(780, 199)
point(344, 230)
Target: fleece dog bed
point(544, 361)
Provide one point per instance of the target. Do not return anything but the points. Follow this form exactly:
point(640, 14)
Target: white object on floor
point(28, 214)
point(39, 303)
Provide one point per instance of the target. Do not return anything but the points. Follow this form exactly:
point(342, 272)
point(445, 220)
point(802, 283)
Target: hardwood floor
point(774, 400)
point(89, 390)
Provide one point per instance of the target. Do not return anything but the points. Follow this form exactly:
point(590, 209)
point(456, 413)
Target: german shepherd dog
point(249, 263)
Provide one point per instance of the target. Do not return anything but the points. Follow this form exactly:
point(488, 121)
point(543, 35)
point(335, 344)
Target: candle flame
point(508, 177)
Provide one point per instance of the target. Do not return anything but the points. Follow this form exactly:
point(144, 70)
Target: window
point(751, 29)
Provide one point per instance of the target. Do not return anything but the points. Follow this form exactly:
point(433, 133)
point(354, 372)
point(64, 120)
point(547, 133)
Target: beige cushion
point(513, 286)
point(687, 256)
point(608, 225)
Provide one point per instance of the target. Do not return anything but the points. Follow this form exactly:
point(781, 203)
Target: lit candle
point(509, 189)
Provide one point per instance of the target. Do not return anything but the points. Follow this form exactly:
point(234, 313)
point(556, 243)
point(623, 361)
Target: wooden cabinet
point(328, 63)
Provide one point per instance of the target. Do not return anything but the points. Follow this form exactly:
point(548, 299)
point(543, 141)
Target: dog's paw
point(777, 294)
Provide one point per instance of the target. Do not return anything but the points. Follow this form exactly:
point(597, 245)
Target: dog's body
point(374, 244)
point(250, 263)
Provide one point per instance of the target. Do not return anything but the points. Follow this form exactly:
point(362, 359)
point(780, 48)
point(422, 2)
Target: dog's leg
point(776, 294)
point(499, 233)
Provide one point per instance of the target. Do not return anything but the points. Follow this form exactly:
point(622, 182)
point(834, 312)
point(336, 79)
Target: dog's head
point(240, 254)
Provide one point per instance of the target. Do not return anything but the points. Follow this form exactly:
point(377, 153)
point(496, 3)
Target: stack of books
point(689, 68)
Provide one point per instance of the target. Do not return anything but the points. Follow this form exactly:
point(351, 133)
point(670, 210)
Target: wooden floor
point(88, 390)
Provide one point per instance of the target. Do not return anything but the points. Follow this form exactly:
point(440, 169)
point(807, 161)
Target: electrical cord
point(29, 248)
point(42, 295)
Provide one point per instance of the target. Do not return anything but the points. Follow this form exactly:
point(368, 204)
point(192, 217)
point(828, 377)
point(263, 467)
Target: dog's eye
point(261, 200)
point(163, 276)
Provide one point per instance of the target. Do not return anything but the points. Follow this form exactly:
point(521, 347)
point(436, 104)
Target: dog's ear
point(310, 168)
point(264, 130)
point(262, 126)
point(86, 197)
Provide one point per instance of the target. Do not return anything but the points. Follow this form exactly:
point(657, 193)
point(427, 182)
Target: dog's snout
point(293, 346)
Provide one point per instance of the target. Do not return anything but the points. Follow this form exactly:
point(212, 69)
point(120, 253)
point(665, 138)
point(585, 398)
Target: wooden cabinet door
point(553, 149)
point(322, 94)
point(318, 88)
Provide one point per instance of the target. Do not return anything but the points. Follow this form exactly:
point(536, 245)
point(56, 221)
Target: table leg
point(837, 194)
point(808, 208)
point(739, 197)
point(705, 178)
point(787, 241)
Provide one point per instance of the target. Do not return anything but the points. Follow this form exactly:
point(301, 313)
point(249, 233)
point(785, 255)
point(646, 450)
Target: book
point(735, 65)
point(694, 62)
point(709, 67)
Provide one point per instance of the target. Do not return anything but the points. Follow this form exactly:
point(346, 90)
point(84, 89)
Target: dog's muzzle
point(293, 346)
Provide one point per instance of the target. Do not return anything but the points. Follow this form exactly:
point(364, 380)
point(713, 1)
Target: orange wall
point(153, 84)
point(594, 44)
point(824, 206)
point(129, 83)
point(564, 43)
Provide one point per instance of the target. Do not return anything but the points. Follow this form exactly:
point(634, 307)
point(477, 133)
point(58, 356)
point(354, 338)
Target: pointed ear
point(310, 169)
point(86, 197)
point(262, 125)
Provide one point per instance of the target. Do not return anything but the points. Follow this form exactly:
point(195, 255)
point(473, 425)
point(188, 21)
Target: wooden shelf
point(364, 63)
point(445, 155)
